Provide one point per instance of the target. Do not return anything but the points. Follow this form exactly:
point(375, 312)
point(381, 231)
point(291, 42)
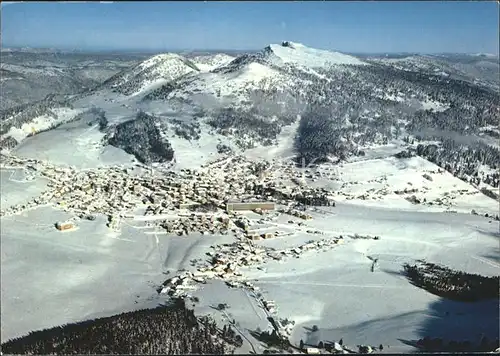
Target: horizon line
point(221, 50)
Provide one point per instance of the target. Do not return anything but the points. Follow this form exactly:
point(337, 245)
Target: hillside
point(156, 70)
point(209, 62)
point(27, 77)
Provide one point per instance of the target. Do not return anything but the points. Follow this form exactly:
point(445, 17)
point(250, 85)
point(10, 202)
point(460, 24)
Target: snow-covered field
point(51, 278)
point(18, 186)
point(72, 144)
point(336, 290)
point(379, 179)
point(94, 273)
point(192, 154)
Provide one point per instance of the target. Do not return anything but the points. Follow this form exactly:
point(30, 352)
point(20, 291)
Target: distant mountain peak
point(299, 54)
point(156, 70)
point(291, 44)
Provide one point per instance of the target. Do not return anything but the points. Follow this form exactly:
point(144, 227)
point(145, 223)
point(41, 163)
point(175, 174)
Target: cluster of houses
point(197, 223)
point(212, 200)
point(296, 213)
point(118, 192)
point(226, 261)
point(19, 208)
point(322, 244)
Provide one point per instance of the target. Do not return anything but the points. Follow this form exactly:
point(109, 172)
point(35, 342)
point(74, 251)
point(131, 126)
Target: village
point(232, 196)
point(247, 200)
point(238, 197)
point(196, 200)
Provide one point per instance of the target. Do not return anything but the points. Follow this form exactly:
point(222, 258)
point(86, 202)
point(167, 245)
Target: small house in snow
point(63, 226)
point(312, 350)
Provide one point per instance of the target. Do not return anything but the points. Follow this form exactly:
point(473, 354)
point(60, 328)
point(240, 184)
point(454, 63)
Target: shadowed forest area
point(466, 318)
point(172, 329)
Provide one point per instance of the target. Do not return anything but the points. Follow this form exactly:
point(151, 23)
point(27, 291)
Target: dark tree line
point(317, 138)
point(162, 330)
point(315, 200)
point(8, 143)
point(239, 122)
point(163, 92)
point(205, 208)
point(142, 138)
point(451, 284)
point(464, 161)
point(99, 118)
point(223, 149)
point(188, 131)
point(440, 345)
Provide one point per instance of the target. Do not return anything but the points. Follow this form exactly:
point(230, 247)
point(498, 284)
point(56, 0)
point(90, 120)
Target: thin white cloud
point(83, 2)
point(283, 24)
point(6, 3)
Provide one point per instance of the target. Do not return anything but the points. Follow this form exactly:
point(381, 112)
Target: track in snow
point(487, 261)
point(335, 285)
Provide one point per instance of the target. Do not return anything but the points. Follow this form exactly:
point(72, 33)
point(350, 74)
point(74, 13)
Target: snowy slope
point(268, 70)
point(250, 76)
point(234, 83)
point(56, 117)
point(157, 69)
point(206, 63)
point(334, 289)
point(481, 70)
point(298, 54)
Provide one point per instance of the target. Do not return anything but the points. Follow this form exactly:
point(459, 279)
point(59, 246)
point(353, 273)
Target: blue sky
point(345, 26)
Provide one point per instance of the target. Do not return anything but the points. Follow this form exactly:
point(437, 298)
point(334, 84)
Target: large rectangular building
point(250, 206)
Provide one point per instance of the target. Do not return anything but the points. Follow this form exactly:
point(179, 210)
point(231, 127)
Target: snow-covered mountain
point(301, 55)
point(221, 75)
point(275, 68)
point(251, 100)
point(27, 77)
point(483, 70)
point(156, 70)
